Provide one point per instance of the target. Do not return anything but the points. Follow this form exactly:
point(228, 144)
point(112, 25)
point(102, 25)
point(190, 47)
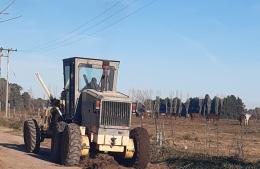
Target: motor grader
point(90, 117)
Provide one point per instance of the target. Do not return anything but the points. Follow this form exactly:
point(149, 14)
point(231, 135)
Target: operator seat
point(94, 84)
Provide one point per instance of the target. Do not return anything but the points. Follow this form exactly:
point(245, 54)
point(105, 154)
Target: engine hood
point(108, 95)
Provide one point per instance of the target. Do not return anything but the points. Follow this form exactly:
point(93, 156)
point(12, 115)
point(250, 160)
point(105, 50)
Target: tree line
point(229, 107)
point(19, 100)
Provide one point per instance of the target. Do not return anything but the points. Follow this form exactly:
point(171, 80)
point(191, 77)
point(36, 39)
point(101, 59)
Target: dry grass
point(196, 144)
point(174, 159)
point(225, 138)
point(16, 122)
point(13, 123)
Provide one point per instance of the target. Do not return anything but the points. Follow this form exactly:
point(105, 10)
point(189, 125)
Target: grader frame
point(90, 117)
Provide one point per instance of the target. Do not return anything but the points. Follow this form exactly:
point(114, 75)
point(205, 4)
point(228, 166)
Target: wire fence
point(213, 138)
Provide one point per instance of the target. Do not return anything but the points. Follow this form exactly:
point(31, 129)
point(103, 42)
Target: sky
point(185, 47)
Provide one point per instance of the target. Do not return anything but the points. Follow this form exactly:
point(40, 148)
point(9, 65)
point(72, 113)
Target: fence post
point(206, 135)
point(217, 139)
point(9, 110)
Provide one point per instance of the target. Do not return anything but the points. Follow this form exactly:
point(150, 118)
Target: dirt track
point(13, 155)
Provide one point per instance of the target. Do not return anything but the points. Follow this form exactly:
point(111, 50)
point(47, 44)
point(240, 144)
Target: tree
point(26, 101)
point(2, 93)
point(179, 106)
point(18, 100)
point(206, 106)
point(240, 106)
point(195, 105)
point(39, 104)
point(216, 105)
point(257, 111)
point(15, 98)
point(142, 97)
point(163, 106)
point(232, 107)
point(185, 108)
point(175, 106)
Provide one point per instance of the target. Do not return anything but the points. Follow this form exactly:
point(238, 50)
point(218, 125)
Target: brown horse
point(174, 115)
point(212, 116)
point(241, 118)
point(195, 116)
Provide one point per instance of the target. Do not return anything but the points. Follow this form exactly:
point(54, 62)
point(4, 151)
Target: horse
point(244, 117)
point(212, 116)
point(174, 115)
point(195, 115)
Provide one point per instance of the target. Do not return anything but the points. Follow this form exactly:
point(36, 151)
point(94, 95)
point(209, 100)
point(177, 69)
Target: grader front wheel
point(71, 145)
point(31, 134)
point(141, 140)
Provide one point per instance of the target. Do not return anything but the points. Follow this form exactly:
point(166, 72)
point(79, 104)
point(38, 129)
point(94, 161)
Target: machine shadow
point(42, 155)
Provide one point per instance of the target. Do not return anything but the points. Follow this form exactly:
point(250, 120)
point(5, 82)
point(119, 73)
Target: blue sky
point(193, 47)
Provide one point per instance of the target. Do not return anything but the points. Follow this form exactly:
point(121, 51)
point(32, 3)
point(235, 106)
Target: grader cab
point(90, 117)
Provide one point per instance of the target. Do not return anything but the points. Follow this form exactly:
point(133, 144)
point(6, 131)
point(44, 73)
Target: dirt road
point(13, 155)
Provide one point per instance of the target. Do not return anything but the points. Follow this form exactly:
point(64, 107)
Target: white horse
point(247, 117)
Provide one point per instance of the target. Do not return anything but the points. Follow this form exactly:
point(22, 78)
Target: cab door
point(69, 89)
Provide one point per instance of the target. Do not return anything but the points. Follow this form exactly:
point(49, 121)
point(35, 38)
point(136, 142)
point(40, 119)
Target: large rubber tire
point(31, 134)
point(142, 148)
point(56, 141)
point(71, 145)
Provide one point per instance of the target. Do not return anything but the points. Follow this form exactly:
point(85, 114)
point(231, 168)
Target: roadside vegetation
point(12, 123)
point(20, 101)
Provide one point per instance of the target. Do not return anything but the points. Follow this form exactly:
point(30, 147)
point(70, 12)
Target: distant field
point(225, 138)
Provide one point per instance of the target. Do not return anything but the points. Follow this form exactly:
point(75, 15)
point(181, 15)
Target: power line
point(6, 20)
point(61, 43)
point(2, 12)
point(107, 27)
point(46, 44)
point(96, 17)
point(8, 6)
point(125, 17)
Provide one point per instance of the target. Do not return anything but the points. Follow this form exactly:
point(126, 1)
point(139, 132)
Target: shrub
point(11, 123)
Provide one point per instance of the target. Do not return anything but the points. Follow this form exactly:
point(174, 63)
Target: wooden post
point(7, 76)
point(7, 86)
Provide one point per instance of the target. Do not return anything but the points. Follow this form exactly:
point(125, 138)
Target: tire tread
point(31, 136)
point(70, 151)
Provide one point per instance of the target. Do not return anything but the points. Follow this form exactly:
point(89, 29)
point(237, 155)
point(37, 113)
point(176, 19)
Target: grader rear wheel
point(142, 148)
point(31, 134)
point(71, 145)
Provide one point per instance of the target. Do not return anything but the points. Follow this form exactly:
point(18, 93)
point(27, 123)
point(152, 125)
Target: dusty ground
point(12, 154)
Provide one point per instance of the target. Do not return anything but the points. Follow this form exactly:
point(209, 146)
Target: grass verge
point(13, 123)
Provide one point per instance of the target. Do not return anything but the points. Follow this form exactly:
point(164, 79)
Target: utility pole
point(7, 77)
point(1, 55)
